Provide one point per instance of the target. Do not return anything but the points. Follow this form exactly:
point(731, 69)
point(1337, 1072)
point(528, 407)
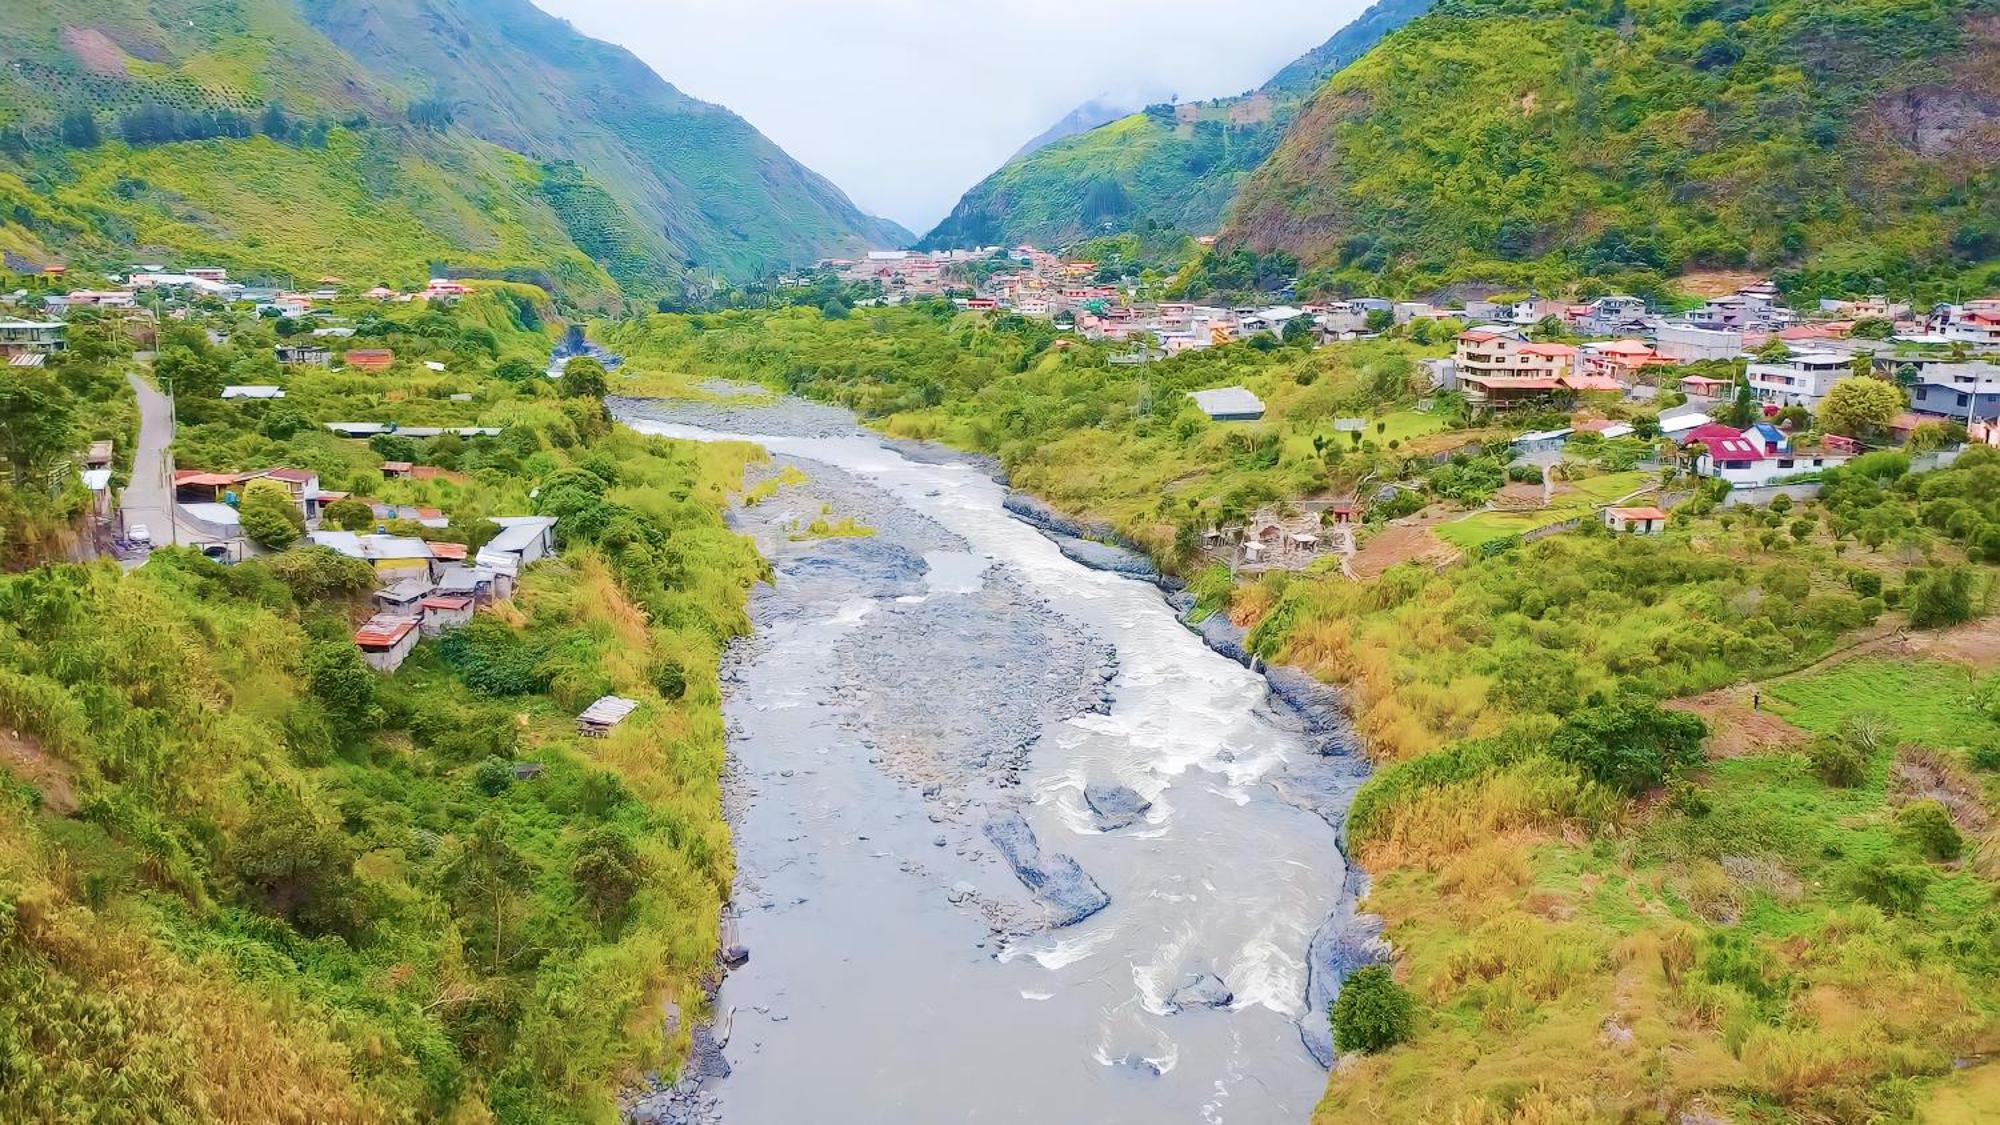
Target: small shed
point(598, 718)
point(99, 456)
point(1638, 521)
point(385, 641)
point(403, 598)
point(446, 611)
point(1229, 404)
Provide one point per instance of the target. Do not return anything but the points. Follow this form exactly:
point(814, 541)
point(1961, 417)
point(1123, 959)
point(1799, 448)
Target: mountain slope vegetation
point(419, 142)
point(1852, 144)
point(1176, 167)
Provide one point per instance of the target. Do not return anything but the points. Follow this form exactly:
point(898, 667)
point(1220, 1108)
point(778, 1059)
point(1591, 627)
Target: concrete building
point(1801, 380)
point(1686, 343)
point(524, 539)
point(30, 337)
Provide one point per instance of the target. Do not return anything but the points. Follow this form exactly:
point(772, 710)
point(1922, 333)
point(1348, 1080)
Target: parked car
point(140, 535)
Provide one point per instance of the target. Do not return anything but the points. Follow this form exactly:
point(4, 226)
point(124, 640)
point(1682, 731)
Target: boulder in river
point(1056, 880)
point(1115, 806)
point(1203, 990)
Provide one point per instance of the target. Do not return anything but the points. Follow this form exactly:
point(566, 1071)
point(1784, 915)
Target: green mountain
point(1847, 145)
point(1175, 166)
point(381, 142)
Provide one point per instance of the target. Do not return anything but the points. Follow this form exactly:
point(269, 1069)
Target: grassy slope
point(1575, 956)
point(1176, 175)
point(163, 713)
point(1665, 135)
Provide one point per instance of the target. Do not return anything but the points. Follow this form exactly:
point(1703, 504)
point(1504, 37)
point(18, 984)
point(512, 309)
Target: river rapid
point(943, 926)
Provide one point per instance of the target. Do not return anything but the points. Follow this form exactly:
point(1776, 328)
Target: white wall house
point(1802, 380)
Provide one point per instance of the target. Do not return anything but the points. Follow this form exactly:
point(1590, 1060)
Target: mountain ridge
point(1846, 147)
point(613, 184)
point(1177, 165)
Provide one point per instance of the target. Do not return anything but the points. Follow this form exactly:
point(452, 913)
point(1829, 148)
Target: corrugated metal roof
point(452, 602)
point(382, 632)
point(1230, 401)
point(609, 710)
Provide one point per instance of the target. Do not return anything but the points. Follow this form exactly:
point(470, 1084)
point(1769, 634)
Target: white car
point(140, 535)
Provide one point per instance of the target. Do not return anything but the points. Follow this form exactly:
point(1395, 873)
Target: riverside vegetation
point(244, 877)
point(1607, 898)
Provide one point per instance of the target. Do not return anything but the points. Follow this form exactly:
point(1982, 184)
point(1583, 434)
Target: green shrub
point(670, 680)
point(1986, 756)
point(1631, 745)
point(270, 519)
point(1838, 762)
point(1896, 887)
point(315, 574)
point(492, 777)
point(1943, 597)
point(493, 659)
point(1927, 824)
point(1372, 1013)
point(286, 863)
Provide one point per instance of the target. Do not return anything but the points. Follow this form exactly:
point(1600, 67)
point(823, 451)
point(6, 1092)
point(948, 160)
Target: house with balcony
point(1959, 392)
point(1498, 367)
point(30, 337)
point(1802, 380)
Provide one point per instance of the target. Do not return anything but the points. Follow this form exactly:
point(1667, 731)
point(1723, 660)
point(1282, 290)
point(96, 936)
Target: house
point(404, 597)
point(1497, 366)
point(1229, 404)
point(396, 470)
point(253, 391)
point(1801, 380)
point(1963, 392)
point(390, 555)
point(385, 642)
point(446, 611)
point(369, 359)
point(1704, 386)
point(1687, 343)
point(1637, 521)
point(306, 355)
point(1623, 360)
point(598, 718)
point(433, 365)
point(1754, 458)
point(428, 517)
point(30, 337)
point(1606, 316)
point(523, 538)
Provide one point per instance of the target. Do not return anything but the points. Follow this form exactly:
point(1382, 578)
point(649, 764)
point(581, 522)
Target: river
point(908, 699)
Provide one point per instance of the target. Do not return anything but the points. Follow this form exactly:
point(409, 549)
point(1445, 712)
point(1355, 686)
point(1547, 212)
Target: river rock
point(1115, 806)
point(1320, 706)
point(876, 567)
point(1055, 879)
point(1224, 637)
point(1343, 943)
point(1203, 990)
point(1045, 516)
point(1107, 557)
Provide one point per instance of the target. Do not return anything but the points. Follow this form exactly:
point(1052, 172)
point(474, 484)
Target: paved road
point(148, 498)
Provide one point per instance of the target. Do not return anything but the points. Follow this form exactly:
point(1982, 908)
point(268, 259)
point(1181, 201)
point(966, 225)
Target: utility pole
point(173, 428)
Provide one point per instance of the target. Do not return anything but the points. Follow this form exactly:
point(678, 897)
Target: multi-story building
point(1802, 380)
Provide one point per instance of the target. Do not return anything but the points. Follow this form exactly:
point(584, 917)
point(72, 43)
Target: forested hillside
point(1851, 146)
point(1173, 167)
point(246, 877)
point(502, 145)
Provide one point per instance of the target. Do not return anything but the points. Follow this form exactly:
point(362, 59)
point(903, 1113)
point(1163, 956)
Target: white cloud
point(906, 103)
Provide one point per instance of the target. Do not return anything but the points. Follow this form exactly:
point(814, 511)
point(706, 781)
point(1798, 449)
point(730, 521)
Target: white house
point(1636, 521)
point(1802, 380)
point(253, 391)
point(1758, 456)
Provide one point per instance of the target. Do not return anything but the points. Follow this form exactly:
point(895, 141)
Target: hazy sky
point(906, 103)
